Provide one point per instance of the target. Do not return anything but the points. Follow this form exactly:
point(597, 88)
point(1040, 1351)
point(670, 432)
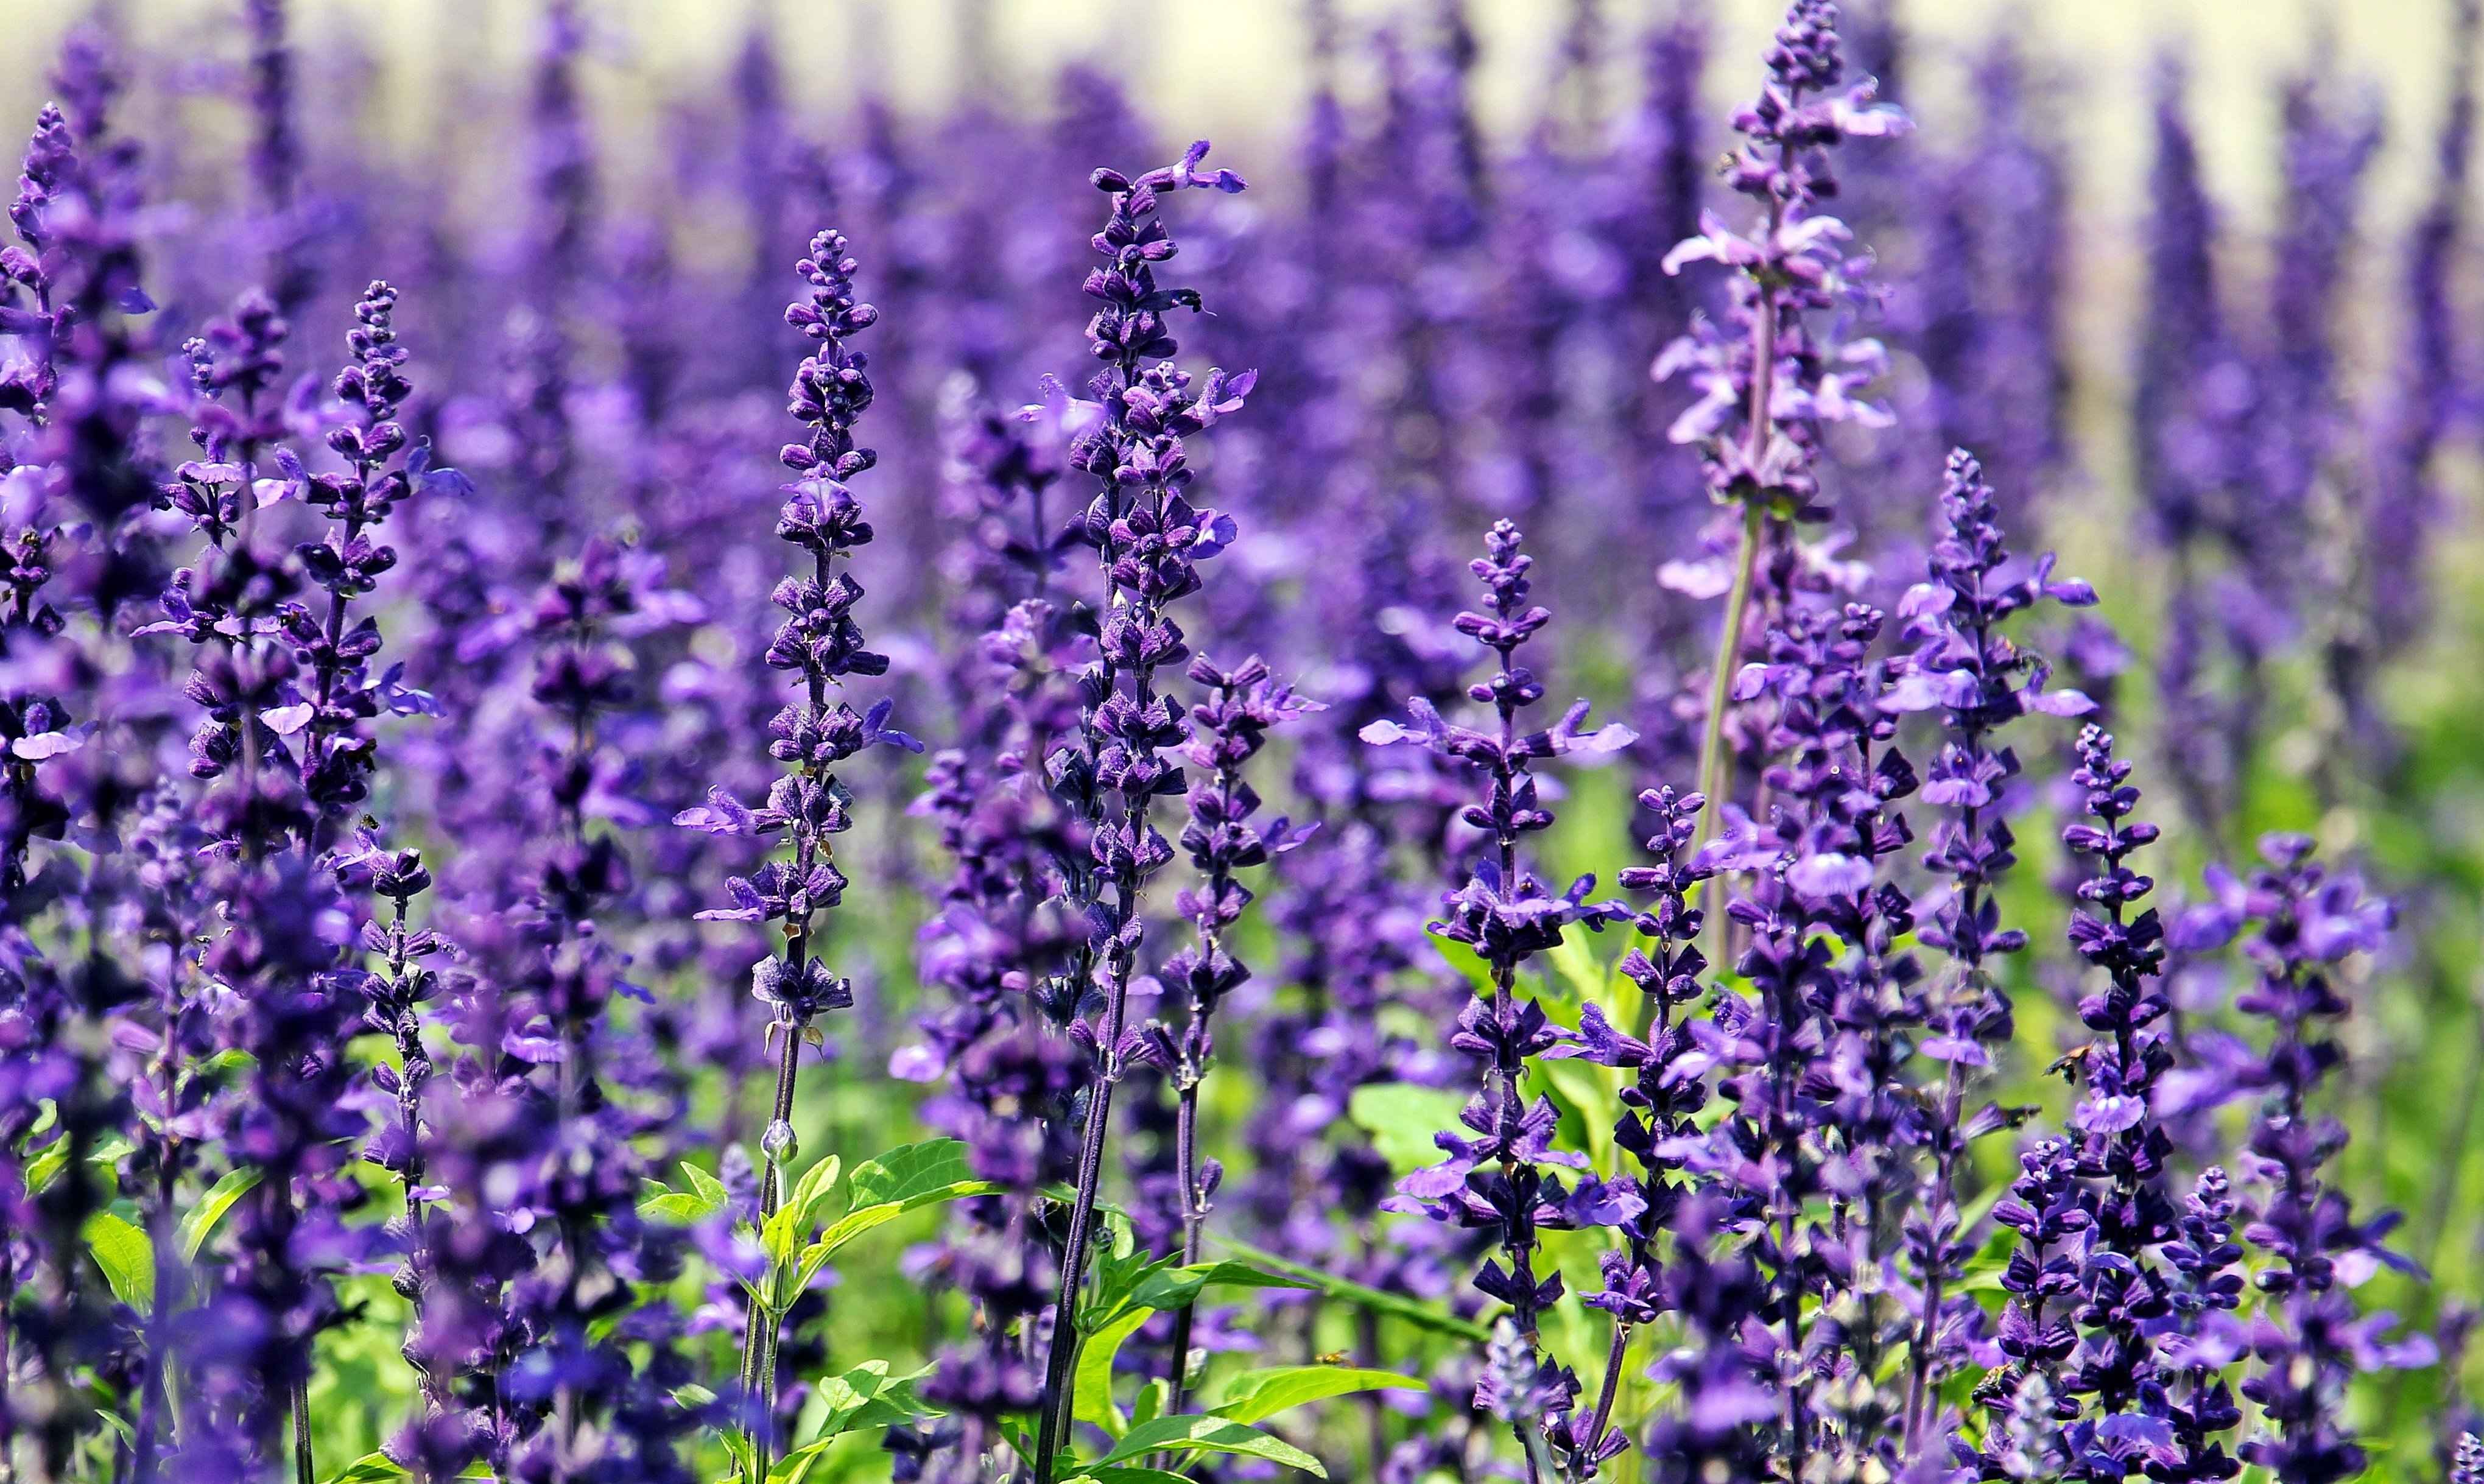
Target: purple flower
point(1506, 916)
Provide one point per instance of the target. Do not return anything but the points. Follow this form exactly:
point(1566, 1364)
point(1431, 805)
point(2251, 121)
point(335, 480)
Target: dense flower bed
point(506, 971)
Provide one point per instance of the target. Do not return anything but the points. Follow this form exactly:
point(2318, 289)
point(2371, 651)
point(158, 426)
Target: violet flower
point(823, 643)
point(1814, 1052)
point(2119, 1141)
point(2307, 1336)
point(2203, 1338)
point(1228, 729)
point(1782, 366)
point(1496, 1181)
point(1665, 1091)
point(1978, 680)
point(1150, 540)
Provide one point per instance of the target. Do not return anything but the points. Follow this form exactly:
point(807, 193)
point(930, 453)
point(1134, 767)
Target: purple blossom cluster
point(487, 989)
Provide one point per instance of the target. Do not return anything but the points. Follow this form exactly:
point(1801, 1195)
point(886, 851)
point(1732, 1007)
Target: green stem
point(1715, 761)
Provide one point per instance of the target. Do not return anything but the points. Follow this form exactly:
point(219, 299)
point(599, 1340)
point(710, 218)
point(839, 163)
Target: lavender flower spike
point(1767, 387)
point(823, 643)
point(1150, 540)
point(1228, 730)
point(1964, 668)
point(1498, 1183)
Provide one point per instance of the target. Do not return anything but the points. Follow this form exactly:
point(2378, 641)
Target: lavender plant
point(821, 642)
point(1504, 915)
point(1758, 445)
point(1150, 539)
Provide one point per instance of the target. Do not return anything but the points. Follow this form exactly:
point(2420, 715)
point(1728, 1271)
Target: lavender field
point(702, 788)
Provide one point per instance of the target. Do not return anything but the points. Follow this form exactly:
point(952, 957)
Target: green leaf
point(127, 1259)
point(778, 1238)
point(46, 1167)
point(796, 1467)
point(1118, 1275)
point(868, 1396)
point(851, 1225)
point(1153, 1399)
point(1591, 1095)
point(1174, 1287)
point(813, 1189)
point(704, 1186)
point(43, 1166)
point(1092, 1399)
point(1575, 963)
point(908, 1172)
point(370, 1469)
point(675, 1209)
point(1121, 1475)
point(1197, 1434)
point(200, 1221)
point(883, 1189)
point(1394, 1305)
point(706, 1196)
point(1258, 1394)
point(1402, 1120)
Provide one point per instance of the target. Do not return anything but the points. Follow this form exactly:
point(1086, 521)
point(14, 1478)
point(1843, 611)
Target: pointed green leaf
point(1121, 1475)
point(814, 1188)
point(1153, 1399)
point(370, 1469)
point(910, 1170)
point(868, 1396)
point(127, 1259)
point(1174, 1287)
point(1402, 1120)
point(853, 1225)
point(1193, 1433)
point(1394, 1305)
point(1117, 1275)
point(200, 1221)
point(706, 1196)
point(675, 1209)
point(1092, 1399)
point(796, 1467)
point(704, 1186)
point(44, 1166)
point(779, 1236)
point(1258, 1394)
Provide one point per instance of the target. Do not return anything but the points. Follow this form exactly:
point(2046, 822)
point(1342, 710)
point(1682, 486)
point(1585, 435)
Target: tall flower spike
point(2306, 923)
point(2121, 1147)
point(1815, 1049)
point(1149, 540)
point(2203, 1338)
point(1228, 729)
point(823, 645)
point(1962, 666)
point(1780, 367)
point(1667, 1088)
point(1498, 1183)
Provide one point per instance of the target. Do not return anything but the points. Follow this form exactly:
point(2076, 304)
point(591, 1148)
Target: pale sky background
point(1230, 69)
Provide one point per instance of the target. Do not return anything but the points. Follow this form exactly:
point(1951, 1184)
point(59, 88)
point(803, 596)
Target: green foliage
point(1401, 1118)
point(200, 1224)
point(1257, 1395)
point(1394, 1306)
point(126, 1257)
point(1208, 1435)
